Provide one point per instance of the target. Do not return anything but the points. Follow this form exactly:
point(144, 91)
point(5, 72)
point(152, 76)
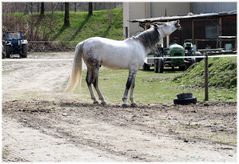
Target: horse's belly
point(115, 63)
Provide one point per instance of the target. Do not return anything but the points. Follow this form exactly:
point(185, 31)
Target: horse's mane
point(148, 37)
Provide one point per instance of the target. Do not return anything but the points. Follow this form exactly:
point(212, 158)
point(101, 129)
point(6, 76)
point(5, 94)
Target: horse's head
point(167, 28)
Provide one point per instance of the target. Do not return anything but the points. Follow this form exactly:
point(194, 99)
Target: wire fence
point(205, 56)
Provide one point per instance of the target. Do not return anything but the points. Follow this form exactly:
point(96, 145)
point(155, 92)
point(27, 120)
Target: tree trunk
point(67, 15)
point(110, 13)
point(42, 9)
point(38, 7)
point(75, 7)
point(90, 8)
point(31, 8)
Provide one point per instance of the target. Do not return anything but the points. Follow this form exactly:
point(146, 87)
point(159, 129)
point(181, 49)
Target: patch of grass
point(222, 73)
point(150, 87)
point(51, 27)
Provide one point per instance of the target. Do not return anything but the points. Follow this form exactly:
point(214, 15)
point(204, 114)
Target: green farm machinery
point(173, 57)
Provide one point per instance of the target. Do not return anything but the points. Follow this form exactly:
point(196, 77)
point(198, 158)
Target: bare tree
point(67, 14)
point(90, 8)
point(42, 9)
point(75, 5)
point(28, 8)
point(110, 13)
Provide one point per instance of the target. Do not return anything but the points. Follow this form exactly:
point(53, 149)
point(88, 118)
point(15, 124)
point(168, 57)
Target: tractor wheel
point(173, 68)
point(182, 68)
point(158, 66)
point(192, 61)
point(3, 55)
point(24, 51)
point(146, 67)
point(8, 51)
point(161, 65)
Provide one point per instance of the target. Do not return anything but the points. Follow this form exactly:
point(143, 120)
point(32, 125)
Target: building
point(209, 25)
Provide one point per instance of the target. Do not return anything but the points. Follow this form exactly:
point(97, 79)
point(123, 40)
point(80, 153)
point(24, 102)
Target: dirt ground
point(41, 123)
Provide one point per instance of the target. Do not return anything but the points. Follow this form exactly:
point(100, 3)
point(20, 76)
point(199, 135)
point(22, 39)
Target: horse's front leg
point(130, 81)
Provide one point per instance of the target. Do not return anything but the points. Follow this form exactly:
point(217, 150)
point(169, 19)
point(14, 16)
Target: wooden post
point(206, 76)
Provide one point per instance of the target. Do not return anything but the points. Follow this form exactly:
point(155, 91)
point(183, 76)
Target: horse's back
point(99, 41)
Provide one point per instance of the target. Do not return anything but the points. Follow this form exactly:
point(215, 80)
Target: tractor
point(174, 50)
point(14, 43)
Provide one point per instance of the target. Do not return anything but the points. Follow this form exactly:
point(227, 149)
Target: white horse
point(126, 54)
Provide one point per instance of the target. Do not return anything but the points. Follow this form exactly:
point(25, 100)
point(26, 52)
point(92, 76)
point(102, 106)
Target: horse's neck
point(148, 38)
point(161, 34)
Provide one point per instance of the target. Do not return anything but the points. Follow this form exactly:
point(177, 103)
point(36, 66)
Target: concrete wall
point(159, 9)
point(134, 10)
point(210, 7)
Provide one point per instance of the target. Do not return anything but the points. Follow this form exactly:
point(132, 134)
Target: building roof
point(189, 16)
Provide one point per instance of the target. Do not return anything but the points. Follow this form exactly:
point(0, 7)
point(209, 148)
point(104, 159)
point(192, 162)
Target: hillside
point(103, 23)
point(222, 73)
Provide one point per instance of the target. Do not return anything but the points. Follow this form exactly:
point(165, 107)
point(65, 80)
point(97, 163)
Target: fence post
point(206, 76)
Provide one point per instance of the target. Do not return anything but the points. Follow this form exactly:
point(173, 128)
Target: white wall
point(159, 9)
point(211, 7)
point(135, 10)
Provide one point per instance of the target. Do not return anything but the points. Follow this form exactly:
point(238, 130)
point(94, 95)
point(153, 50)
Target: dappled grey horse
point(126, 54)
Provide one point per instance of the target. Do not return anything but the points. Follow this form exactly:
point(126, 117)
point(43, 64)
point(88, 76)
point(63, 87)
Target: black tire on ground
point(24, 51)
point(185, 101)
point(8, 51)
point(146, 67)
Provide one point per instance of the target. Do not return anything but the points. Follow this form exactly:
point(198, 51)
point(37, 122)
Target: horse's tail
point(75, 77)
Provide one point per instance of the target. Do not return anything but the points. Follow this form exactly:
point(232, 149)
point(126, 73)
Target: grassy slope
point(81, 27)
point(222, 73)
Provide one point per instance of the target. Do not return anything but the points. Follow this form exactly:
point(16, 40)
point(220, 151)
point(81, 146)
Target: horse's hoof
point(133, 105)
point(103, 103)
point(124, 105)
point(95, 102)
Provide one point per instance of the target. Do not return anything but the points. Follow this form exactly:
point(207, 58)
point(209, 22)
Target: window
point(211, 32)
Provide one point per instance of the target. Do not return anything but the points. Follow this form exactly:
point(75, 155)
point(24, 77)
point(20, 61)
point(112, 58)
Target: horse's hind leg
point(95, 83)
point(89, 80)
point(130, 82)
point(133, 104)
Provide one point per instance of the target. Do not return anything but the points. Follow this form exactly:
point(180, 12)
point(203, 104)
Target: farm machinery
point(14, 43)
point(167, 57)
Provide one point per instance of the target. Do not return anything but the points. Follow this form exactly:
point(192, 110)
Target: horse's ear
point(154, 25)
